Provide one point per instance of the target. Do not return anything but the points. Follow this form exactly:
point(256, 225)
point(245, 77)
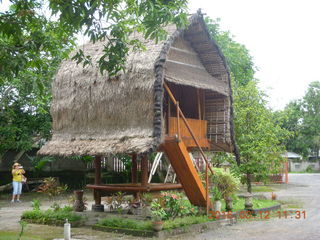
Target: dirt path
point(302, 187)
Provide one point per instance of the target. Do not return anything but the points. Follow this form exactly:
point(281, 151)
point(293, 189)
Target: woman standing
point(17, 174)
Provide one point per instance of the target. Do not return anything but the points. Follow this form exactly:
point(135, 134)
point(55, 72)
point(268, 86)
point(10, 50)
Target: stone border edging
point(200, 227)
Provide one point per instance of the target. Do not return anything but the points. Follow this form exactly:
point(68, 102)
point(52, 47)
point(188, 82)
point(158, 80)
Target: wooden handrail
point(178, 119)
point(187, 125)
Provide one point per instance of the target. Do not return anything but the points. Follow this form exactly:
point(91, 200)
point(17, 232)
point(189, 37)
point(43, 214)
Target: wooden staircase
point(181, 162)
point(177, 152)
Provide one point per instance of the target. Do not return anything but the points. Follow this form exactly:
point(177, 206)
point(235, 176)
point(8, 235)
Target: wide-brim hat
point(16, 164)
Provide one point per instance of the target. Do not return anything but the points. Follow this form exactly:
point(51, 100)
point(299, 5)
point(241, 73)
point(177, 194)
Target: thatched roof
point(95, 115)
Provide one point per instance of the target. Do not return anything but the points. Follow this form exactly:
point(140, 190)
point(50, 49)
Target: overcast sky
point(283, 36)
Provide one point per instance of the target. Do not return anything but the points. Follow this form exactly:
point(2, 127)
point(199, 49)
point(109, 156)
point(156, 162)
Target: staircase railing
point(180, 113)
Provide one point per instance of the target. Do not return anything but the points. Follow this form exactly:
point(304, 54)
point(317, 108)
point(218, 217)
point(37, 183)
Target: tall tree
point(237, 55)
point(114, 20)
point(32, 45)
point(291, 118)
point(303, 119)
point(260, 139)
point(31, 49)
point(311, 117)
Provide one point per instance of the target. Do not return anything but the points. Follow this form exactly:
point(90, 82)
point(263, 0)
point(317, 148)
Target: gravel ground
point(303, 188)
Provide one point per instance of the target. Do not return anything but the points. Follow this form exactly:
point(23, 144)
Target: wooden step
point(181, 162)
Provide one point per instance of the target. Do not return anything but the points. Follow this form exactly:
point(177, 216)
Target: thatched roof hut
point(95, 115)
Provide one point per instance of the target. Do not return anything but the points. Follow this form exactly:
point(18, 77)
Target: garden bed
point(56, 217)
point(177, 226)
point(172, 227)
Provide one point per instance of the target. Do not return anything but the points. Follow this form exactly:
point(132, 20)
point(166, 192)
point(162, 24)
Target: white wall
point(302, 166)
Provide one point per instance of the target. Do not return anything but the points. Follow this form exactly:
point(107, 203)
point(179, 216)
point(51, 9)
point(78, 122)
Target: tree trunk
point(249, 186)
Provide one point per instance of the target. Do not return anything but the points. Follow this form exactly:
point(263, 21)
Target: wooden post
point(134, 168)
point(178, 121)
point(207, 191)
point(286, 171)
point(97, 207)
point(97, 170)
point(169, 114)
point(199, 104)
point(144, 170)
point(134, 173)
point(199, 110)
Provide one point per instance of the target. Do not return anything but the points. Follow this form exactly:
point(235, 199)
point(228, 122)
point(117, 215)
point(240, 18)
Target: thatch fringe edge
point(159, 91)
point(232, 134)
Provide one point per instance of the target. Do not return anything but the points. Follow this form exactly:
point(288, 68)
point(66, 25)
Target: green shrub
point(51, 216)
point(52, 187)
point(309, 169)
point(175, 206)
point(126, 223)
point(35, 204)
point(225, 182)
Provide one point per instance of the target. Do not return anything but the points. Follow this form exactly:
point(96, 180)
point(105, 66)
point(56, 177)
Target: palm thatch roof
point(95, 115)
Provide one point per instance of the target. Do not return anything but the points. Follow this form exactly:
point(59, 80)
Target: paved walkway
point(302, 187)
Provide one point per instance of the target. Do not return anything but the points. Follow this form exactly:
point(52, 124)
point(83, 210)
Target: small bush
point(226, 183)
point(52, 187)
point(309, 169)
point(51, 216)
point(126, 223)
point(35, 204)
point(175, 206)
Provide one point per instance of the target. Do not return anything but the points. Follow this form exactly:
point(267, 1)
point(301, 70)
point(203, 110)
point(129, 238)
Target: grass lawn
point(4, 235)
point(262, 189)
point(238, 205)
point(291, 204)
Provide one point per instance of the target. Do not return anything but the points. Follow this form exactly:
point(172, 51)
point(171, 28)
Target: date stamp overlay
point(244, 214)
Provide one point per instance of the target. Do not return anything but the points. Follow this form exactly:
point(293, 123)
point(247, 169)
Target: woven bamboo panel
point(217, 114)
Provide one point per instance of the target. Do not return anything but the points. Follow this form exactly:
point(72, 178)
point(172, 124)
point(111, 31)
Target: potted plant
point(217, 196)
point(158, 214)
point(226, 184)
point(146, 200)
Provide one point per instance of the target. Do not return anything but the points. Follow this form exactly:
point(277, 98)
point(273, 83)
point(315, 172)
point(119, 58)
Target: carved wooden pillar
point(97, 207)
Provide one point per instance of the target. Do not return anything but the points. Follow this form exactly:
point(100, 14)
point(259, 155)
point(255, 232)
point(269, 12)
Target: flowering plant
point(175, 206)
point(157, 211)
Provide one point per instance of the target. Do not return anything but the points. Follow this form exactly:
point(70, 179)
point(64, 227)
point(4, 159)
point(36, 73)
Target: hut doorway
point(192, 110)
point(185, 95)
